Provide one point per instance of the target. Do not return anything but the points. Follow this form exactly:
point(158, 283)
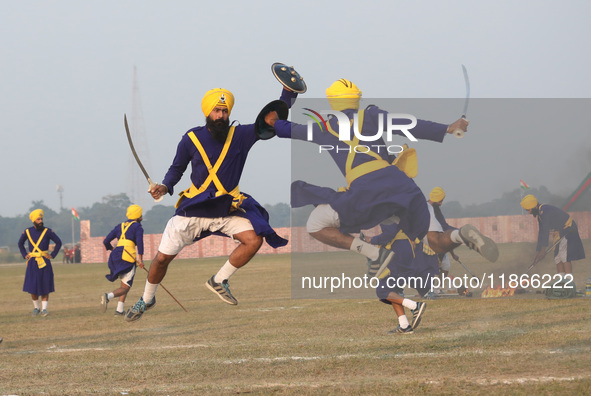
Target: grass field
point(272, 344)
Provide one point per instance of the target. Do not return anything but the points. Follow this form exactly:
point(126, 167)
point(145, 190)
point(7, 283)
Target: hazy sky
point(66, 76)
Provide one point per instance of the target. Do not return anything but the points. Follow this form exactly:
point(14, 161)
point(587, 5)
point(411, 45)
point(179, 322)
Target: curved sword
point(458, 132)
point(137, 159)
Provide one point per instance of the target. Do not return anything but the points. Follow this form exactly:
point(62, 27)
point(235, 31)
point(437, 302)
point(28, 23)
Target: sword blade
point(467, 81)
point(137, 159)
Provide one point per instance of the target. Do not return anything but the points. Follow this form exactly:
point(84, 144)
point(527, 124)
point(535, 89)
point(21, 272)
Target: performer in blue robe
point(378, 192)
point(551, 218)
point(214, 203)
point(39, 275)
point(123, 258)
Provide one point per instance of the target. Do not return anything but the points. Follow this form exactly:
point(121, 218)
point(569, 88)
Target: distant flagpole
point(74, 216)
point(523, 187)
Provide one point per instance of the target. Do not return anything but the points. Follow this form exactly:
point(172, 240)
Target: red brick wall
point(502, 229)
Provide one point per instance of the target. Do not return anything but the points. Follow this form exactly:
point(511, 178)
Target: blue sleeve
point(288, 97)
point(21, 244)
point(112, 235)
point(388, 234)
point(179, 165)
point(58, 243)
point(139, 239)
point(543, 234)
point(424, 130)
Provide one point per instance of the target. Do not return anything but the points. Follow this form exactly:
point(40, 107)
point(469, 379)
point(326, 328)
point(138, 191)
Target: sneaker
point(222, 290)
point(151, 304)
point(375, 268)
point(44, 313)
point(104, 302)
point(134, 313)
point(476, 241)
point(35, 312)
point(417, 313)
point(406, 330)
point(117, 313)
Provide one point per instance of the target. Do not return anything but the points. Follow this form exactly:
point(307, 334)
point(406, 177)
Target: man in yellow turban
point(566, 234)
point(213, 204)
point(39, 280)
point(123, 258)
point(377, 191)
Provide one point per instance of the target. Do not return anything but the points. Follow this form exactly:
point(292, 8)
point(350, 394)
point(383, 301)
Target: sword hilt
point(152, 185)
point(458, 132)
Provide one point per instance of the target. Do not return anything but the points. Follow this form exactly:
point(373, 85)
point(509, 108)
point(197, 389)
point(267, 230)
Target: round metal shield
point(290, 78)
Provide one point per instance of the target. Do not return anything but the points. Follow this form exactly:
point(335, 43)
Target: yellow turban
point(134, 212)
point(343, 94)
point(437, 194)
point(529, 202)
point(36, 214)
point(217, 97)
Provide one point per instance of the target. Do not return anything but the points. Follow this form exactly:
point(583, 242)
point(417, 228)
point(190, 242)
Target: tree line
point(111, 210)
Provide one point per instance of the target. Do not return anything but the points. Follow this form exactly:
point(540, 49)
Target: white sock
point(36, 304)
point(120, 305)
point(410, 304)
point(44, 305)
point(225, 272)
point(403, 321)
point(149, 291)
point(110, 296)
point(368, 250)
point(455, 236)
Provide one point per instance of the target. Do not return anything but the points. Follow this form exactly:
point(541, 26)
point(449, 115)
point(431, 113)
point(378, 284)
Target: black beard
point(219, 129)
point(535, 212)
point(39, 227)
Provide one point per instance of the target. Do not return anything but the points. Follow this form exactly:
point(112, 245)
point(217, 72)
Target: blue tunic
point(409, 268)
point(39, 281)
point(375, 196)
point(117, 265)
point(206, 204)
point(553, 218)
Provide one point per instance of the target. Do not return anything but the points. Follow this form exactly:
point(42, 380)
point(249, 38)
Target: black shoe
point(406, 330)
point(222, 290)
point(151, 304)
point(417, 313)
point(375, 268)
point(117, 313)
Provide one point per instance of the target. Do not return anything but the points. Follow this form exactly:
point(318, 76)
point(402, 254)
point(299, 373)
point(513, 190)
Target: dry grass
point(272, 344)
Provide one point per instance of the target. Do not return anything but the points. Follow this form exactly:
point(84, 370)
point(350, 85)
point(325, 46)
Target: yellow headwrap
point(217, 97)
point(437, 194)
point(343, 94)
point(34, 215)
point(529, 202)
point(134, 212)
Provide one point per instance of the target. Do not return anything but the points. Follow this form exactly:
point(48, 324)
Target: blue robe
point(375, 196)
point(553, 218)
point(206, 204)
point(117, 265)
point(39, 281)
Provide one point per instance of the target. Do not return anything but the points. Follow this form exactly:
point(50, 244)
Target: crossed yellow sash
point(37, 253)
point(406, 161)
point(126, 243)
point(212, 178)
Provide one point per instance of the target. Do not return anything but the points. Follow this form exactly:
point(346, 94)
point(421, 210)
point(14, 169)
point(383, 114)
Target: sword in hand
point(156, 190)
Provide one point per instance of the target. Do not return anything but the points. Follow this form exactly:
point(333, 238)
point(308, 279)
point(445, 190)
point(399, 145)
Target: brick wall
point(502, 229)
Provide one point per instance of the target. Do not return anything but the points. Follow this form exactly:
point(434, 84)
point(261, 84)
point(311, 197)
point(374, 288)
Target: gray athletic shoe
point(482, 244)
point(117, 313)
point(417, 313)
point(400, 330)
point(35, 312)
point(44, 313)
point(222, 290)
point(375, 268)
point(151, 304)
point(135, 313)
point(104, 302)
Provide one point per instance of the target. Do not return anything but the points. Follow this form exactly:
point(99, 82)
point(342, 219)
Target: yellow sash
point(212, 178)
point(37, 253)
point(406, 161)
point(128, 245)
